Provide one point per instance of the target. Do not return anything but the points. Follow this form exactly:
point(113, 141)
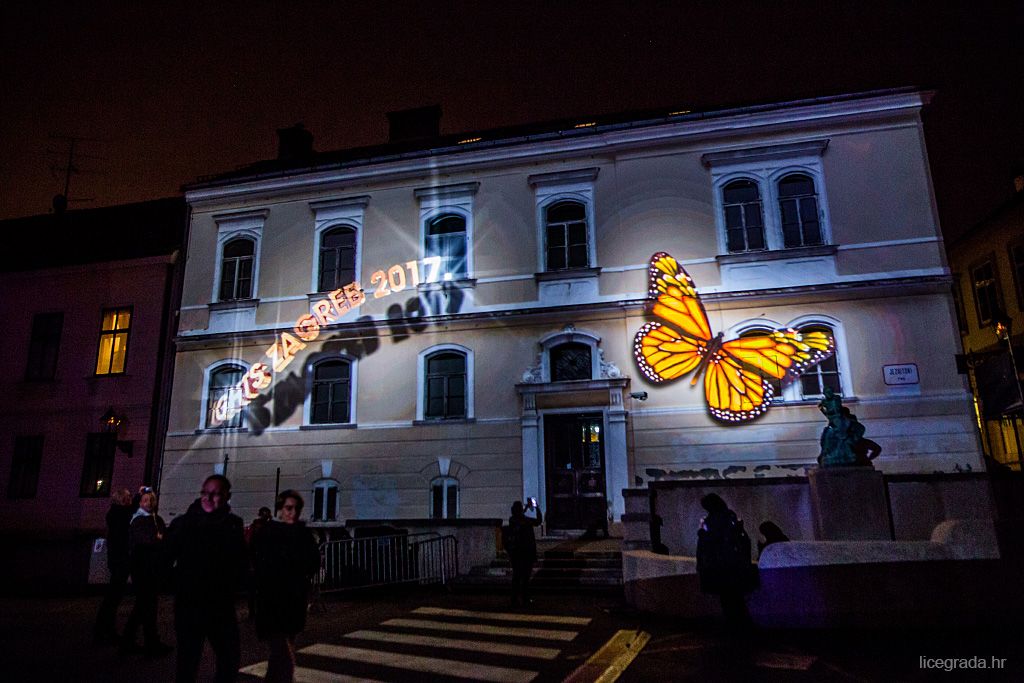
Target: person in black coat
point(523, 549)
point(145, 542)
point(119, 516)
point(285, 558)
point(723, 561)
point(207, 545)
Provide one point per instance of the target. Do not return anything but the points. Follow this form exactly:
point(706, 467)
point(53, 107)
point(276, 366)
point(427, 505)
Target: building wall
point(884, 285)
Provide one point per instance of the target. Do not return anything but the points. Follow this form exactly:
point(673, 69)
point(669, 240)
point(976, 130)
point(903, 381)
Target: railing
point(421, 558)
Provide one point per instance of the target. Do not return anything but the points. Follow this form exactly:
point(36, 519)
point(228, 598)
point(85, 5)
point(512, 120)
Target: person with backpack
point(521, 546)
point(723, 561)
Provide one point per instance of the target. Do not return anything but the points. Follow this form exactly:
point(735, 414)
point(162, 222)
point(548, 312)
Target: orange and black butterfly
point(735, 371)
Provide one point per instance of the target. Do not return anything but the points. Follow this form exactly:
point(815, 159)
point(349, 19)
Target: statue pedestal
point(849, 504)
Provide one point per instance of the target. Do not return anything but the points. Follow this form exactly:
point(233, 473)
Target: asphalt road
point(446, 637)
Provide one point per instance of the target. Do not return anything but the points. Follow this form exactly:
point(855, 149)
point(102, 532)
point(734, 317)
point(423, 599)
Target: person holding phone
point(523, 550)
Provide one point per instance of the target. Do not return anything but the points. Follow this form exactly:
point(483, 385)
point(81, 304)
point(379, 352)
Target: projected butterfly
point(735, 371)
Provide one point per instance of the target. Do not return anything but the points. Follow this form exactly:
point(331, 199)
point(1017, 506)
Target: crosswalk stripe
point(505, 616)
point(449, 667)
point(304, 675)
point(483, 629)
point(457, 644)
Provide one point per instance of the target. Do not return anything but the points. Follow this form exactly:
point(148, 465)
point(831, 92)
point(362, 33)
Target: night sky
point(167, 92)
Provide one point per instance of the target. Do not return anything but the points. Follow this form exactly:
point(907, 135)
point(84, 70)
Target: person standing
point(145, 542)
point(522, 548)
point(208, 546)
point(119, 517)
point(285, 558)
point(723, 561)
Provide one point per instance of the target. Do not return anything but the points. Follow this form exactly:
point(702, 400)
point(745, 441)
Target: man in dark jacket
point(119, 516)
point(207, 544)
point(723, 561)
point(523, 550)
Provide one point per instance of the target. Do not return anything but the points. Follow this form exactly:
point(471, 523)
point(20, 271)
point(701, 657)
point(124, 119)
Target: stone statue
point(842, 441)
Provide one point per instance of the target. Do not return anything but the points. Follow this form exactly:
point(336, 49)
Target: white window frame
point(230, 226)
point(454, 199)
point(554, 339)
point(325, 483)
point(552, 188)
point(421, 382)
point(792, 391)
point(444, 479)
point(307, 402)
point(766, 166)
point(204, 401)
point(349, 212)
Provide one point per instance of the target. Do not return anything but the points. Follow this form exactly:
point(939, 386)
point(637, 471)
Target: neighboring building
point(513, 375)
point(86, 296)
point(988, 271)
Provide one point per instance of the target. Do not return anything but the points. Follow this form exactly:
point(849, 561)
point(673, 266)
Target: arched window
point(825, 374)
point(776, 383)
point(224, 382)
point(236, 269)
point(744, 222)
point(445, 386)
point(569, 361)
point(337, 258)
point(444, 498)
point(798, 211)
point(331, 395)
point(325, 501)
point(566, 236)
point(446, 237)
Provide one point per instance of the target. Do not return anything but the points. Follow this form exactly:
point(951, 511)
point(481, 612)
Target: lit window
point(337, 258)
point(224, 382)
point(444, 498)
point(28, 454)
point(824, 374)
point(113, 341)
point(566, 236)
point(325, 501)
point(446, 237)
point(798, 211)
point(99, 465)
point(445, 386)
point(236, 269)
point(986, 292)
point(332, 391)
point(569, 361)
point(744, 224)
point(44, 345)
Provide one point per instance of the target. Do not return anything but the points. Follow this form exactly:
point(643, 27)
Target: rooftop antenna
point(61, 201)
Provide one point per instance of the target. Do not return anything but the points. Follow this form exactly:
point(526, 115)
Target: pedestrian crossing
point(435, 643)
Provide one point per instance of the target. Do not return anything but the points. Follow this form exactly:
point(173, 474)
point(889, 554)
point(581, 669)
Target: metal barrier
point(421, 558)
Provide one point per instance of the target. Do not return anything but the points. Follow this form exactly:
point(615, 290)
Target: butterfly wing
point(676, 300)
point(734, 393)
point(781, 353)
point(663, 354)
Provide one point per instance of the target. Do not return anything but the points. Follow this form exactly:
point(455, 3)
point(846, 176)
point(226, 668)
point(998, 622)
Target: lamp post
point(1003, 325)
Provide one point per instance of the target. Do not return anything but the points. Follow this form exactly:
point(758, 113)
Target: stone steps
point(561, 566)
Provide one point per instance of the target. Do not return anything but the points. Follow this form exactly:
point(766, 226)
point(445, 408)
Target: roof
point(504, 137)
point(113, 233)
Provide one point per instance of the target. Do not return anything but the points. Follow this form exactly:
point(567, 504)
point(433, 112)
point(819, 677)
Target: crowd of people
point(209, 555)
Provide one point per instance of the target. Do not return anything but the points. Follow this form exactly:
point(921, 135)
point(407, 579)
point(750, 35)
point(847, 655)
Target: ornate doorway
point(574, 465)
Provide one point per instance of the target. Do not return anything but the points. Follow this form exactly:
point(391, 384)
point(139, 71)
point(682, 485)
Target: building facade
point(87, 296)
point(487, 353)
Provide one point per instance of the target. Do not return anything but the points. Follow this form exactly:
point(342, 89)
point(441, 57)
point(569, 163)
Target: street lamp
point(111, 421)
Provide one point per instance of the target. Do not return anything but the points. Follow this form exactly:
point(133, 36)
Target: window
point(446, 237)
point(445, 383)
point(325, 501)
point(798, 211)
point(224, 382)
point(236, 269)
point(444, 498)
point(744, 226)
point(113, 341)
point(570, 361)
point(776, 383)
point(566, 236)
point(99, 465)
point(28, 454)
point(1017, 265)
point(43, 345)
point(825, 374)
point(986, 292)
point(337, 258)
point(330, 401)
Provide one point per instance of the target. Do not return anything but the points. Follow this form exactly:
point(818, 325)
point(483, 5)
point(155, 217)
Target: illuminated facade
point(508, 370)
point(86, 296)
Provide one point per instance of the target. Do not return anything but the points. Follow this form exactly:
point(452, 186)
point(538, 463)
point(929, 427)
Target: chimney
point(294, 143)
point(414, 124)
